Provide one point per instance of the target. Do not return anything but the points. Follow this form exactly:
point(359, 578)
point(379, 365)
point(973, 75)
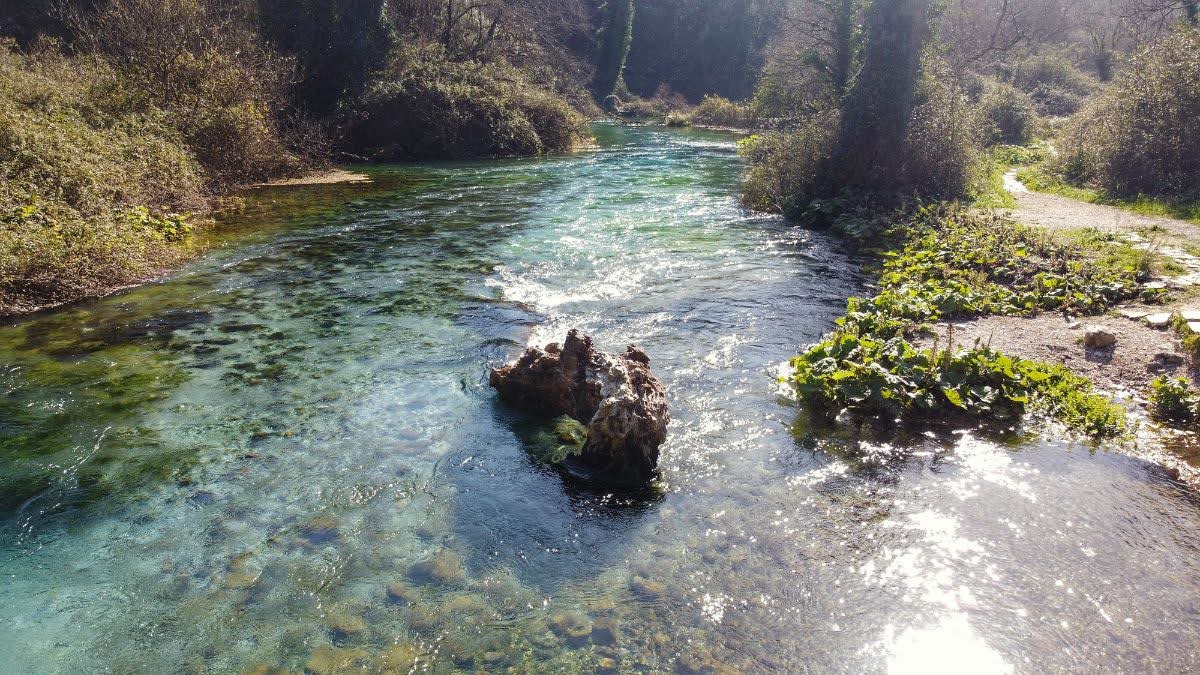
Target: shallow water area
point(287, 455)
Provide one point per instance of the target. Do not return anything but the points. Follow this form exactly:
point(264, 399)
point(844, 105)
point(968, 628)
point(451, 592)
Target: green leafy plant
point(948, 262)
point(1172, 400)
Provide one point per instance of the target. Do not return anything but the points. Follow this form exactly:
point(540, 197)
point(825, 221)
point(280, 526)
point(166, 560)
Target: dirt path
point(1057, 212)
point(1142, 351)
point(1126, 368)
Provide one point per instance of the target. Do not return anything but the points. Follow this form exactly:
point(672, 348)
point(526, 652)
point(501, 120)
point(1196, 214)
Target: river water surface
point(287, 456)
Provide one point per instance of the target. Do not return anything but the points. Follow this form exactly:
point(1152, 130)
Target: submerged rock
point(443, 568)
point(617, 398)
point(327, 660)
point(572, 627)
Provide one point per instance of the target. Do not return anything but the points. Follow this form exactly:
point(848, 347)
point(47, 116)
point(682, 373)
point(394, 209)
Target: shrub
point(678, 119)
point(941, 149)
point(784, 98)
point(1054, 84)
point(663, 104)
point(87, 186)
point(721, 112)
point(1009, 112)
point(797, 172)
point(432, 107)
point(785, 166)
point(203, 65)
point(1142, 136)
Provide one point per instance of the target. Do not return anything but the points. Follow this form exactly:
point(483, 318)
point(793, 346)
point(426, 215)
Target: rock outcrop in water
point(617, 398)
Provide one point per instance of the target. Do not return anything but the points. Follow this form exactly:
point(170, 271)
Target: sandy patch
point(329, 177)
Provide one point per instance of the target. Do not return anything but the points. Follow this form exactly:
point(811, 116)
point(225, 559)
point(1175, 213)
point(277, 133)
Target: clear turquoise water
point(230, 469)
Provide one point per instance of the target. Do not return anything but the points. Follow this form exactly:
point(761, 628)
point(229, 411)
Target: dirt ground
point(1141, 352)
point(1126, 368)
point(1056, 212)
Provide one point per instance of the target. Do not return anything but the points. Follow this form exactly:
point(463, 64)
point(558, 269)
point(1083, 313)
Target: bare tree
point(980, 33)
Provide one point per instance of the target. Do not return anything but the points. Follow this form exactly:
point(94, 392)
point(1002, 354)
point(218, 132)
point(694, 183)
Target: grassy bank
point(92, 188)
point(946, 262)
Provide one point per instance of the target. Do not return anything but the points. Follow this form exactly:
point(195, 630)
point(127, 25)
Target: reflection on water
point(288, 456)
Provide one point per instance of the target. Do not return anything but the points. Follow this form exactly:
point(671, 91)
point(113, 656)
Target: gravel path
point(1057, 212)
point(1141, 352)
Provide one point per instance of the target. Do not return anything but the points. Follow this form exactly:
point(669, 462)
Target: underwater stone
point(648, 589)
point(400, 658)
point(241, 575)
point(604, 631)
point(465, 603)
point(572, 627)
point(327, 660)
point(444, 567)
point(400, 593)
point(701, 663)
point(617, 397)
point(343, 626)
point(321, 530)
point(263, 669)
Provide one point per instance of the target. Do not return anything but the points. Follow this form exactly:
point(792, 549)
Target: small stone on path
point(1190, 314)
point(1134, 313)
point(1098, 338)
point(1194, 326)
point(1158, 320)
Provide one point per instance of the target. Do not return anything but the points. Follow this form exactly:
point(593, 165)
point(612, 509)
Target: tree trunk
point(614, 48)
point(843, 40)
point(880, 102)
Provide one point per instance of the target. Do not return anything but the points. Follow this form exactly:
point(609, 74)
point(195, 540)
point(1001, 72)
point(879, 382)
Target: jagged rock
point(617, 398)
point(1098, 338)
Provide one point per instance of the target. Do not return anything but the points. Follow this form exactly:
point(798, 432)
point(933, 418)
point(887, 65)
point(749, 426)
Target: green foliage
point(1173, 401)
point(558, 439)
point(893, 380)
point(88, 186)
point(721, 112)
point(432, 107)
point(952, 263)
point(338, 44)
point(1009, 112)
point(615, 39)
point(1055, 86)
point(1142, 136)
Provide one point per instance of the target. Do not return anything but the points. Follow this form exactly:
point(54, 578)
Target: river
point(286, 455)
